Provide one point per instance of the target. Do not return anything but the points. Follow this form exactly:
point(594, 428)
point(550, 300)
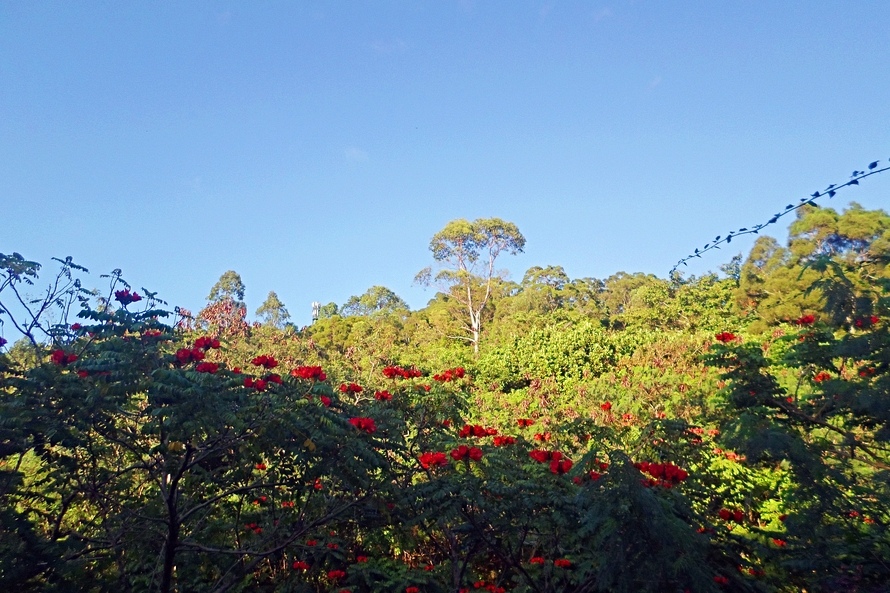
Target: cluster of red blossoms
point(432, 459)
point(503, 441)
point(863, 322)
point(476, 430)
point(254, 527)
point(449, 375)
point(125, 297)
point(822, 376)
point(261, 384)
point(558, 463)
point(490, 587)
point(365, 424)
point(391, 372)
point(350, 388)
point(665, 475)
point(187, 355)
point(466, 453)
point(725, 337)
point(300, 565)
point(265, 361)
point(383, 396)
point(308, 372)
point(727, 515)
point(805, 320)
point(207, 367)
point(524, 422)
point(61, 358)
point(206, 343)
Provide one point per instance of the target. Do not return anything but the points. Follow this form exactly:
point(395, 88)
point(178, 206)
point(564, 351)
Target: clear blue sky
point(315, 147)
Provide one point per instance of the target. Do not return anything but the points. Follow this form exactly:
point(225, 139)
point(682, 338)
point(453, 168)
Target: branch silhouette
point(829, 191)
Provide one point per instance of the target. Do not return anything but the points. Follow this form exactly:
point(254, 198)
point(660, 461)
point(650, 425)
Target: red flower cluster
point(62, 359)
point(725, 337)
point(476, 430)
point(207, 367)
point(336, 575)
point(187, 355)
point(562, 563)
point(300, 565)
point(350, 388)
point(727, 515)
point(325, 401)
point(663, 474)
point(74, 327)
point(313, 373)
point(524, 422)
point(558, 463)
point(542, 436)
point(365, 424)
point(449, 375)
point(383, 396)
point(260, 466)
point(254, 527)
point(265, 361)
point(806, 320)
point(721, 580)
point(503, 441)
point(258, 384)
point(867, 371)
point(466, 453)
point(822, 376)
point(866, 321)
point(537, 560)
point(490, 587)
point(432, 458)
point(206, 343)
point(125, 297)
point(412, 589)
point(391, 372)
point(361, 559)
point(605, 407)
point(779, 542)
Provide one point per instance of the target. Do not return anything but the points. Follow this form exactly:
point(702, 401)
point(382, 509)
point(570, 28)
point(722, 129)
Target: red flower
point(466, 453)
point(365, 424)
point(125, 297)
point(449, 375)
point(738, 515)
point(537, 560)
point(259, 385)
point(561, 467)
point(725, 514)
point(311, 543)
point(260, 466)
point(725, 337)
point(429, 568)
point(476, 430)
point(432, 459)
point(83, 374)
point(308, 372)
point(822, 376)
point(336, 575)
point(350, 388)
point(503, 441)
point(287, 504)
point(248, 381)
point(206, 343)
point(562, 563)
point(384, 396)
point(187, 355)
point(806, 320)
point(265, 361)
point(60, 358)
point(524, 422)
point(333, 546)
point(273, 378)
point(236, 370)
point(542, 436)
point(412, 590)
point(74, 327)
point(361, 559)
point(207, 367)
point(779, 542)
point(391, 372)
point(721, 580)
point(539, 456)
point(300, 565)
point(606, 406)
point(325, 401)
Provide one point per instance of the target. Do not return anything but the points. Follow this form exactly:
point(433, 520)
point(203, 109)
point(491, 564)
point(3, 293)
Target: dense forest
point(729, 432)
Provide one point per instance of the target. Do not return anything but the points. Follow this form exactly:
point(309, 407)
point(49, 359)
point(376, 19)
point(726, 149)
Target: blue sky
point(316, 147)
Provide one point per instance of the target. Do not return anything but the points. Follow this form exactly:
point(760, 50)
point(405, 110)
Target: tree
point(375, 300)
point(467, 251)
point(229, 287)
point(273, 312)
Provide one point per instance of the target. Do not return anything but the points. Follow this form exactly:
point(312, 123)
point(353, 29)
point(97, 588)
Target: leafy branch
point(829, 191)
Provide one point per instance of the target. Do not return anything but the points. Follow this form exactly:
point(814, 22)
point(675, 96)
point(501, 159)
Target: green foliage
point(273, 312)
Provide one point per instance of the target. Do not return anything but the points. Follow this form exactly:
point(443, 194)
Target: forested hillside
point(729, 432)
